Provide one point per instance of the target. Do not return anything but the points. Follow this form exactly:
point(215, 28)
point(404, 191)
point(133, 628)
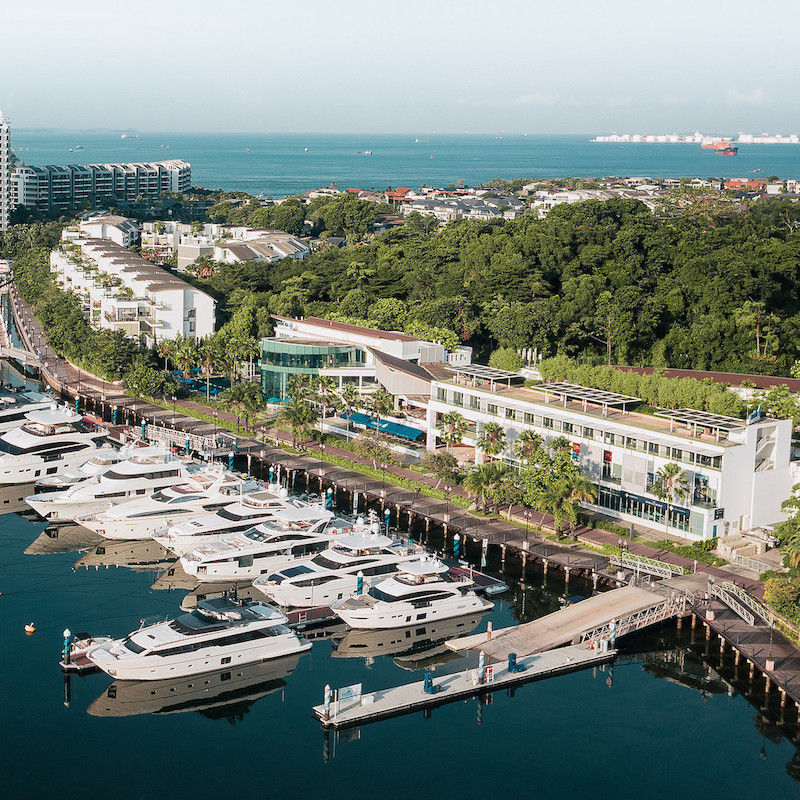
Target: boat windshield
point(193, 622)
point(381, 595)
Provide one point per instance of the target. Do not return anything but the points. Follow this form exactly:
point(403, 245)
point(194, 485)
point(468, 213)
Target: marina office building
point(119, 290)
point(738, 473)
point(351, 354)
point(57, 188)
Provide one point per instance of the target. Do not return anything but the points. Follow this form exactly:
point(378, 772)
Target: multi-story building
point(351, 354)
point(5, 173)
point(737, 473)
point(225, 243)
point(119, 290)
point(121, 230)
point(58, 188)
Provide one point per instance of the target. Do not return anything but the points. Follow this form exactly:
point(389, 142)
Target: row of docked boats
point(222, 527)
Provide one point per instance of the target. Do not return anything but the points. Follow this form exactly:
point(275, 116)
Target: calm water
point(279, 164)
point(573, 736)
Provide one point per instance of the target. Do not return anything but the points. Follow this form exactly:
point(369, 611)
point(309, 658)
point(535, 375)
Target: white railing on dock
point(747, 600)
point(651, 566)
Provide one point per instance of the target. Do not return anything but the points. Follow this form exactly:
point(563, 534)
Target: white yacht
point(219, 632)
point(251, 510)
point(420, 590)
point(15, 405)
point(206, 490)
point(334, 573)
point(151, 468)
point(91, 468)
point(49, 441)
point(262, 549)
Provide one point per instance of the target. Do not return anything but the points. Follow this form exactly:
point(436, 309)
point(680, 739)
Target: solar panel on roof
point(575, 392)
point(693, 417)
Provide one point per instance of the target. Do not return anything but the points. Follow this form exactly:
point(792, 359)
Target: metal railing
point(674, 604)
point(651, 566)
point(750, 602)
point(732, 601)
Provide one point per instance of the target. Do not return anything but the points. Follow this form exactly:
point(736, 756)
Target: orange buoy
point(30, 629)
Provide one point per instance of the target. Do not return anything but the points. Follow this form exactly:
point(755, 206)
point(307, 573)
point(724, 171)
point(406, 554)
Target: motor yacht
point(91, 468)
point(335, 573)
point(219, 632)
point(15, 405)
point(151, 468)
point(245, 513)
point(262, 549)
point(206, 490)
point(423, 590)
point(49, 441)
point(220, 694)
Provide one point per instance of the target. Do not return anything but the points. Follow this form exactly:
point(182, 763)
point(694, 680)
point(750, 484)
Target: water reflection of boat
point(62, 539)
point(417, 640)
point(206, 590)
point(222, 694)
point(138, 555)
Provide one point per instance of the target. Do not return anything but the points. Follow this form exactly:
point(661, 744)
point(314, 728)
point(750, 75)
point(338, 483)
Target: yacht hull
point(399, 615)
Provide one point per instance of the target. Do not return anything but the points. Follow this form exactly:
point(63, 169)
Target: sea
point(281, 164)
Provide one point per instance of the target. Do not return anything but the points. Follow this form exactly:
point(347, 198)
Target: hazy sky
point(562, 66)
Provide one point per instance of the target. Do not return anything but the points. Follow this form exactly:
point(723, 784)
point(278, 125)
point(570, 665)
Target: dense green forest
point(607, 282)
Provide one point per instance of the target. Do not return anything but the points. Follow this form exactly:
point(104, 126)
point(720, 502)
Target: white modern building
point(119, 290)
point(738, 473)
point(120, 230)
point(56, 187)
point(5, 173)
point(353, 355)
point(225, 243)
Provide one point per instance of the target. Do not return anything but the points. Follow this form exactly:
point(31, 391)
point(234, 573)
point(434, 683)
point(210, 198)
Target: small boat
point(306, 149)
point(247, 149)
point(80, 645)
point(366, 153)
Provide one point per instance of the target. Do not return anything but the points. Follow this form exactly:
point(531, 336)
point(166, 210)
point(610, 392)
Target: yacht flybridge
point(15, 405)
point(335, 573)
point(421, 591)
point(151, 468)
point(49, 441)
point(91, 468)
point(219, 632)
point(268, 504)
point(262, 549)
point(204, 490)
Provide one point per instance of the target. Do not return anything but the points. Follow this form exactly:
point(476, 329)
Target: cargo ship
point(726, 149)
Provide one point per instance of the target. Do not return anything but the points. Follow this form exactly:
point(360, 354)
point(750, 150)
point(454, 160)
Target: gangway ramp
point(628, 608)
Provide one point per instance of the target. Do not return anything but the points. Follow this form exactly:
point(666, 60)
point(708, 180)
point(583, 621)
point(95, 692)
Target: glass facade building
point(280, 359)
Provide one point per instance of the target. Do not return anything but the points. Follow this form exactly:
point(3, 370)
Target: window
point(588, 433)
point(458, 398)
point(491, 408)
point(527, 418)
point(474, 401)
point(510, 413)
point(547, 423)
point(608, 438)
point(677, 454)
point(441, 394)
point(652, 448)
point(568, 427)
point(630, 443)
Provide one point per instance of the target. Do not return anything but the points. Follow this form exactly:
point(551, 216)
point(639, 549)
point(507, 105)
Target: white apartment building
point(5, 173)
point(121, 291)
point(447, 209)
point(121, 230)
point(225, 243)
point(55, 187)
point(544, 200)
point(738, 474)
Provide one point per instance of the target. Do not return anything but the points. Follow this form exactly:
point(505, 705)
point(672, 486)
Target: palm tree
point(379, 404)
point(579, 490)
point(326, 387)
point(492, 439)
point(671, 484)
point(299, 415)
point(166, 350)
point(351, 401)
point(484, 481)
point(452, 426)
point(249, 348)
point(186, 355)
point(299, 385)
point(210, 360)
point(526, 444)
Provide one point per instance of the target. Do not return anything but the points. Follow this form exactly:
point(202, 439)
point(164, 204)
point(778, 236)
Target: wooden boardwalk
point(568, 625)
point(410, 697)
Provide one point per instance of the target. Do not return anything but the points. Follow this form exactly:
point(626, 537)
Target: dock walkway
point(411, 697)
point(631, 607)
